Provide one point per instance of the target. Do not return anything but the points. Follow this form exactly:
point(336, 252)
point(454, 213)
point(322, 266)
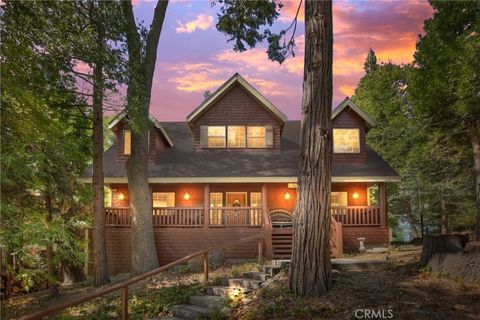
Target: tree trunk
point(412, 223)
point(141, 70)
point(441, 243)
point(310, 272)
point(444, 218)
point(52, 275)
point(100, 270)
point(475, 137)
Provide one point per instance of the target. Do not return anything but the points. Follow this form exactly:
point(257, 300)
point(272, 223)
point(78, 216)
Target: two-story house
point(230, 171)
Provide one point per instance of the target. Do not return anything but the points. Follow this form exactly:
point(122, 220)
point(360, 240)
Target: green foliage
point(371, 62)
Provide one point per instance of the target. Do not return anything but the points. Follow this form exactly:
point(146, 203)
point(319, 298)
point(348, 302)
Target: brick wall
point(375, 236)
point(350, 119)
point(237, 107)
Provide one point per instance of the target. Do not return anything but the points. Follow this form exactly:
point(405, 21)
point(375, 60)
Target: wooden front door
point(236, 199)
point(233, 215)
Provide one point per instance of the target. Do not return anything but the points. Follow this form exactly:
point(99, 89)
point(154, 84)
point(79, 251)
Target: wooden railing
point(178, 217)
point(336, 238)
point(118, 216)
point(236, 217)
point(125, 284)
point(357, 215)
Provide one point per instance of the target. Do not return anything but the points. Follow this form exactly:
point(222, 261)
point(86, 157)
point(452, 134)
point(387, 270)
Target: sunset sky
point(194, 57)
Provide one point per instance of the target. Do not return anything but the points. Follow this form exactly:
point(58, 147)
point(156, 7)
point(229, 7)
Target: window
point(256, 214)
point(338, 199)
point(256, 137)
point(256, 199)
point(216, 137)
point(163, 199)
point(236, 137)
point(216, 201)
point(127, 142)
point(346, 140)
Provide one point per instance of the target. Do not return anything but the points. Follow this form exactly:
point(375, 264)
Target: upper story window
point(346, 140)
point(236, 137)
point(216, 137)
point(127, 142)
point(163, 199)
point(256, 137)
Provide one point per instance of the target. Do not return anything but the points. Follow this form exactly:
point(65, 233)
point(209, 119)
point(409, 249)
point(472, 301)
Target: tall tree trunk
point(141, 70)
point(100, 270)
point(52, 275)
point(475, 137)
point(412, 223)
point(444, 218)
point(310, 272)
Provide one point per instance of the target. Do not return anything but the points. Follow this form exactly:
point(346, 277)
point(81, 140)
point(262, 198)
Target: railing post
point(125, 303)
point(205, 266)
point(206, 206)
point(260, 250)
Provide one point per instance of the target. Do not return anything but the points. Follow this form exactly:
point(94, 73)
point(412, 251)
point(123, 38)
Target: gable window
point(163, 199)
point(127, 142)
point(338, 199)
point(236, 137)
point(256, 137)
point(216, 137)
point(346, 140)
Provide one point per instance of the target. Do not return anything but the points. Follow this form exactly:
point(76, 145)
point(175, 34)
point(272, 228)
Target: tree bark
point(52, 275)
point(441, 243)
point(444, 217)
point(412, 223)
point(475, 138)
point(141, 70)
point(310, 272)
point(100, 268)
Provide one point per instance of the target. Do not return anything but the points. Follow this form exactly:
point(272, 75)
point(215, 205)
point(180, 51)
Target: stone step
point(228, 291)
point(188, 311)
point(281, 262)
point(256, 275)
point(208, 302)
point(245, 283)
point(273, 270)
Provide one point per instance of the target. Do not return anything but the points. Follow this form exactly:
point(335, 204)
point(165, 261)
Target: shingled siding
point(375, 236)
point(237, 107)
point(175, 243)
point(349, 119)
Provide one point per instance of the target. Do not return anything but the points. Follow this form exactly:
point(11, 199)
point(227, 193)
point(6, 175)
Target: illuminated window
point(338, 199)
point(255, 199)
point(255, 214)
point(163, 199)
point(256, 137)
point(346, 140)
point(216, 137)
point(236, 137)
point(216, 201)
point(127, 142)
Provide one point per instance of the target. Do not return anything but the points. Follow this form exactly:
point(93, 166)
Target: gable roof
point(224, 88)
point(115, 121)
point(349, 103)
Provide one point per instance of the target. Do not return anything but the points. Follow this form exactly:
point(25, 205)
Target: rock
point(246, 300)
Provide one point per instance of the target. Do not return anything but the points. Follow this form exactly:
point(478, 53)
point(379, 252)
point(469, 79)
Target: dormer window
point(127, 142)
point(236, 137)
point(256, 137)
point(216, 137)
point(346, 140)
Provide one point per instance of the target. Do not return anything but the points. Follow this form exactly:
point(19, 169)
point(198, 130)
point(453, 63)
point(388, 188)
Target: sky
point(194, 57)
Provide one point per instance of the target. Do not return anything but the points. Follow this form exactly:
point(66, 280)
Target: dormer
point(236, 116)
point(158, 139)
point(350, 125)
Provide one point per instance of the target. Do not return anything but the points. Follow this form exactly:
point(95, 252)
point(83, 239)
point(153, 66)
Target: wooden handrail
point(125, 284)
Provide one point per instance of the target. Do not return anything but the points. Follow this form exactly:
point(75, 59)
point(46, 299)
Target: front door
point(236, 199)
point(236, 214)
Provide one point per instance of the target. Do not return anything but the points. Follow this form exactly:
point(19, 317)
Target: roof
point(182, 163)
point(116, 120)
point(224, 88)
point(349, 103)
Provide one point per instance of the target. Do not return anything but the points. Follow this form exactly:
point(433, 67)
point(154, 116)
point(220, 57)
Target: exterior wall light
point(121, 196)
point(287, 195)
point(186, 196)
point(355, 195)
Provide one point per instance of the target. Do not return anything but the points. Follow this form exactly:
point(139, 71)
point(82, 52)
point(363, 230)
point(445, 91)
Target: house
point(230, 171)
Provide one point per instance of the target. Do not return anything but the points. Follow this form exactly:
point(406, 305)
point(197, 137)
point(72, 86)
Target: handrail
point(125, 284)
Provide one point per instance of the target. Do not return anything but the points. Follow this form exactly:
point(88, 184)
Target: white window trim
point(346, 152)
point(225, 137)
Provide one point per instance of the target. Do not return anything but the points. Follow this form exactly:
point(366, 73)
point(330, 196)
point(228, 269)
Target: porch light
point(121, 196)
point(186, 196)
point(355, 195)
point(287, 195)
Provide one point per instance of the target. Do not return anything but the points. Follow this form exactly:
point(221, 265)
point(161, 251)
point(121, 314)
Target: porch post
point(383, 204)
point(266, 224)
point(206, 205)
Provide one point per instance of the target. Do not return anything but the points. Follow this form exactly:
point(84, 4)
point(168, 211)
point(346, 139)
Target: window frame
point(166, 193)
point(244, 137)
point(264, 137)
point(346, 152)
point(130, 143)
point(217, 137)
point(345, 193)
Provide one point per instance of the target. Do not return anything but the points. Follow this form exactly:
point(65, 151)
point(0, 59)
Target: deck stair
point(282, 244)
point(216, 298)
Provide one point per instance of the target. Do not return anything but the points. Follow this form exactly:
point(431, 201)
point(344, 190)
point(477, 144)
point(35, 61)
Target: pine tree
point(370, 62)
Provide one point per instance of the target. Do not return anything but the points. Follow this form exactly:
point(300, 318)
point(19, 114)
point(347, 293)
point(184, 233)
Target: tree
point(445, 84)
point(142, 55)
point(371, 62)
point(310, 272)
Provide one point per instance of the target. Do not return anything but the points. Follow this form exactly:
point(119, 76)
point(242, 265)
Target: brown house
point(230, 171)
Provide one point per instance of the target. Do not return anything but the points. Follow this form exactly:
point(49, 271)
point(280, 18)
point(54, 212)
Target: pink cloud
point(201, 22)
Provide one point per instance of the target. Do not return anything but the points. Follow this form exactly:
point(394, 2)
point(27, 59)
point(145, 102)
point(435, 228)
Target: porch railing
point(357, 215)
point(236, 217)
